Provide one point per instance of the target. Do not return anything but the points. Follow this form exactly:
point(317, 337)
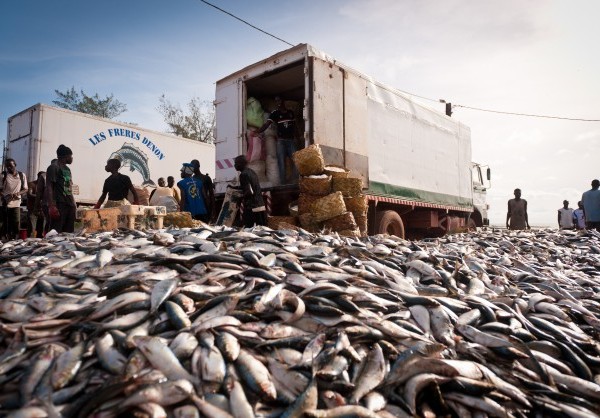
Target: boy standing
point(565, 216)
point(579, 216)
point(191, 193)
point(254, 205)
point(14, 186)
point(208, 190)
point(116, 186)
point(59, 192)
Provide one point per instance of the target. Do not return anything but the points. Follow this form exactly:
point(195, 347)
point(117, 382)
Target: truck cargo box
point(399, 148)
point(35, 133)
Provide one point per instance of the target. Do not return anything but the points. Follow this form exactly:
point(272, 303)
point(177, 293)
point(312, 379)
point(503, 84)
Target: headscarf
point(187, 168)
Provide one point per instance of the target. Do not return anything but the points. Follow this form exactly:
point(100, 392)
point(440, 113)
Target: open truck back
point(415, 162)
point(35, 133)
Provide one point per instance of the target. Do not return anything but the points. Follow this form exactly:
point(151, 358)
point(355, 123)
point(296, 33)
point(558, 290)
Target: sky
point(533, 57)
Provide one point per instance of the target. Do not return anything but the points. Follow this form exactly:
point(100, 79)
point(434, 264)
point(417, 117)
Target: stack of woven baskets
point(329, 199)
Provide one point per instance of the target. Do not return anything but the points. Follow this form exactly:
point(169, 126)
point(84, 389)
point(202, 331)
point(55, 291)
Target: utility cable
point(527, 114)
point(247, 23)
point(406, 92)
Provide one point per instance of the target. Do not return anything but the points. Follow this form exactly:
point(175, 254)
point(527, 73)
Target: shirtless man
point(516, 217)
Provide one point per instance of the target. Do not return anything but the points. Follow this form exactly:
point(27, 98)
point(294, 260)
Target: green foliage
point(197, 124)
point(109, 107)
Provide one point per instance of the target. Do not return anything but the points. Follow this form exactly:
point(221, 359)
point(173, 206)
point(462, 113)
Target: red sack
point(256, 147)
point(53, 212)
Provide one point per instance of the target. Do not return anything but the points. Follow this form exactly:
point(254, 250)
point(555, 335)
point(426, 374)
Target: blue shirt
point(191, 188)
point(591, 205)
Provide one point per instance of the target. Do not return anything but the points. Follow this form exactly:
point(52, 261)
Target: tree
point(109, 107)
point(197, 124)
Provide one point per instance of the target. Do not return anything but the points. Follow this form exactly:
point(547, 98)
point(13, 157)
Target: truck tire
point(389, 222)
point(474, 221)
point(472, 225)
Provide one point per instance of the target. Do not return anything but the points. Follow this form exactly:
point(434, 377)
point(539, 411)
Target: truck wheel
point(389, 222)
point(472, 225)
point(474, 221)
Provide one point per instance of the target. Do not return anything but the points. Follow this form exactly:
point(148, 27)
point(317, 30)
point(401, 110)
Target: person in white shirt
point(14, 186)
point(565, 216)
point(164, 196)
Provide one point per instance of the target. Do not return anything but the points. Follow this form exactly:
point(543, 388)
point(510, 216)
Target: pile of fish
point(219, 322)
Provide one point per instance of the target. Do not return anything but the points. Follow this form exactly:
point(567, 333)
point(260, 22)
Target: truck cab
point(481, 175)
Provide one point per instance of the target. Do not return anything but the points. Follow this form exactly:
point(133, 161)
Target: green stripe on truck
point(398, 192)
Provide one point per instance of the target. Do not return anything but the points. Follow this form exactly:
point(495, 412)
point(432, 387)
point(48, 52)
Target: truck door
point(480, 187)
point(229, 114)
point(20, 143)
point(339, 116)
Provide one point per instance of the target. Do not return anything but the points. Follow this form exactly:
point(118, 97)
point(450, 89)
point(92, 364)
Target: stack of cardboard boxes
point(128, 216)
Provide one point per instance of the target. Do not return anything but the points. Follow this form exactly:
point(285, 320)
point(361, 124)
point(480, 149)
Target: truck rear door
point(229, 115)
point(339, 116)
point(20, 142)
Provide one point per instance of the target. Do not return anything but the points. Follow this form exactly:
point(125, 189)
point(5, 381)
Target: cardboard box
point(155, 210)
point(142, 217)
point(132, 210)
point(98, 220)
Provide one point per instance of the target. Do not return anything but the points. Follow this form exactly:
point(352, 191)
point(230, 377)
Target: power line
point(406, 92)
point(247, 23)
point(527, 114)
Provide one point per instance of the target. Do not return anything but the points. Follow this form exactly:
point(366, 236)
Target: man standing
point(176, 191)
point(286, 130)
point(40, 208)
point(208, 190)
point(116, 186)
point(191, 193)
point(579, 216)
point(59, 192)
point(163, 196)
point(516, 217)
point(591, 206)
point(254, 205)
point(14, 186)
point(32, 218)
point(565, 216)
point(41, 201)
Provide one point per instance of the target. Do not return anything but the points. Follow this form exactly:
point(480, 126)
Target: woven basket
point(353, 233)
point(275, 222)
point(357, 205)
point(328, 207)
point(285, 225)
point(307, 221)
point(179, 219)
point(336, 171)
point(293, 208)
point(361, 223)
point(341, 222)
point(309, 160)
point(305, 202)
point(350, 186)
point(318, 185)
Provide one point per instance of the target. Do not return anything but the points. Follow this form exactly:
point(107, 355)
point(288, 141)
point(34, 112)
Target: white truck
point(415, 162)
point(35, 133)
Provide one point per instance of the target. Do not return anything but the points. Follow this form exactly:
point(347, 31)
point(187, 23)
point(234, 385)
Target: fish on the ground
point(221, 322)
